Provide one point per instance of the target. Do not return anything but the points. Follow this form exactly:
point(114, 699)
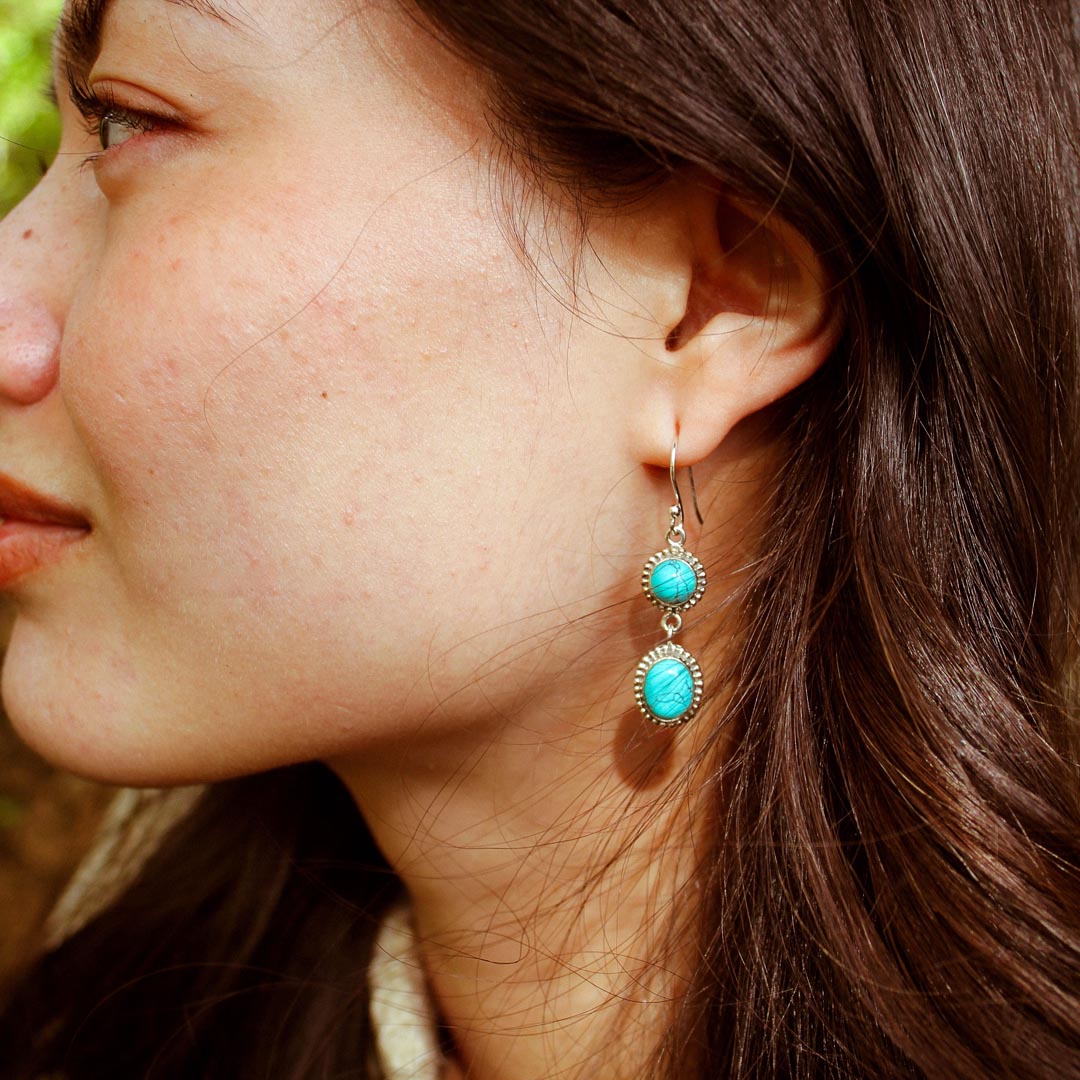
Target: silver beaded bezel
point(662, 652)
point(686, 557)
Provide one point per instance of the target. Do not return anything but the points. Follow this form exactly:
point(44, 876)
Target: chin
point(65, 741)
point(90, 733)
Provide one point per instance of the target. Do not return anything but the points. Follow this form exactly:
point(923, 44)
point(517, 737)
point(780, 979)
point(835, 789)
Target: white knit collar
point(402, 1015)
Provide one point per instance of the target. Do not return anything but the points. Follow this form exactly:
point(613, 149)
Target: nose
point(43, 247)
point(29, 348)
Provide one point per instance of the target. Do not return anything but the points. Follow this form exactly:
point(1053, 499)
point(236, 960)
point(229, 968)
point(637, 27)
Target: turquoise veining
point(669, 688)
point(673, 581)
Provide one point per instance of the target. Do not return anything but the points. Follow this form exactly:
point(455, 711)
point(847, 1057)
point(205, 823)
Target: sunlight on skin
point(362, 490)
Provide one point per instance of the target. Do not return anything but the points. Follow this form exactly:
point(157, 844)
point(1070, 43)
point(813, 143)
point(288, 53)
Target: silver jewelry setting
point(669, 649)
point(674, 551)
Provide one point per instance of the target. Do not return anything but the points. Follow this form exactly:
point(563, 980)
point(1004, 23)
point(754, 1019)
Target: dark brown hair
point(894, 885)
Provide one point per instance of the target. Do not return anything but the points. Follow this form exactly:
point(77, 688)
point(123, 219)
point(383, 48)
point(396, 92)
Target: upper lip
point(24, 503)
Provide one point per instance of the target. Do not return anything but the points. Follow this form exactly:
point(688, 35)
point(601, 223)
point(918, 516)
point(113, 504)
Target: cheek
point(307, 454)
point(147, 378)
point(180, 350)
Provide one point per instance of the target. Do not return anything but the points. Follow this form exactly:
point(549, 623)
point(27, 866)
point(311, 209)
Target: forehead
point(78, 37)
point(375, 54)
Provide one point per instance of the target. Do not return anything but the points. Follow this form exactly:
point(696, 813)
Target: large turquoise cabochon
point(669, 688)
point(673, 581)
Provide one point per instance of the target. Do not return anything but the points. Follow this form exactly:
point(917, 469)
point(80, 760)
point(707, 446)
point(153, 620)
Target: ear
point(747, 314)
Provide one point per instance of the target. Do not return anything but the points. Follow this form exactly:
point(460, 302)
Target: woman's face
point(348, 477)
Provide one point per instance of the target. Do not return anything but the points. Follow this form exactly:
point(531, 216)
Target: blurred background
point(47, 817)
point(28, 122)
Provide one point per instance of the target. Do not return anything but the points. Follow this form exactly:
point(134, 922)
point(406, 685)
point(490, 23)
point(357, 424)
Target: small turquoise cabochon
point(669, 688)
point(673, 581)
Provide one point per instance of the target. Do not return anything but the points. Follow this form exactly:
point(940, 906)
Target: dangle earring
point(668, 683)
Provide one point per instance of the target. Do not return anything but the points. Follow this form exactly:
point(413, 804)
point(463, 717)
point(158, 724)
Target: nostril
point(29, 350)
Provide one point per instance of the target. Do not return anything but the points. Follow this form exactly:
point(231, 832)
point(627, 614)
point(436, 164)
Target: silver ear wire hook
point(675, 485)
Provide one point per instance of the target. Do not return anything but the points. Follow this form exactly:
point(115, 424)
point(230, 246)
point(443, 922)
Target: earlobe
point(758, 318)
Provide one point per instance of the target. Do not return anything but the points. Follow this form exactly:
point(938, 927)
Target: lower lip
point(26, 545)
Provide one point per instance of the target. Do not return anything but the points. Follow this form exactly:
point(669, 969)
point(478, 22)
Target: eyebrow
point(77, 42)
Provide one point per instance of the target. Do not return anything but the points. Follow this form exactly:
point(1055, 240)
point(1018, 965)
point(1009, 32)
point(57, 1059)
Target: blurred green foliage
point(29, 124)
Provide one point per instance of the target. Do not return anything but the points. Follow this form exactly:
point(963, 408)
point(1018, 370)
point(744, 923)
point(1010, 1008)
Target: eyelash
point(94, 107)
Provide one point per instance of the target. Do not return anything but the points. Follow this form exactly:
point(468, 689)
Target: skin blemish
point(26, 235)
point(325, 394)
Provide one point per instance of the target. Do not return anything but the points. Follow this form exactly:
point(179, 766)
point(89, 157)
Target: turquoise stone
point(669, 688)
point(673, 581)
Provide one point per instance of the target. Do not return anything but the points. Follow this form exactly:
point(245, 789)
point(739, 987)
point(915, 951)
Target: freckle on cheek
point(26, 235)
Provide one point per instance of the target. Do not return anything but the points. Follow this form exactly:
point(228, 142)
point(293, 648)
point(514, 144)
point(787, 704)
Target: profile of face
point(352, 467)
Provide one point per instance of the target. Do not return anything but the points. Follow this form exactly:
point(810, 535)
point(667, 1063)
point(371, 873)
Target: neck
point(549, 881)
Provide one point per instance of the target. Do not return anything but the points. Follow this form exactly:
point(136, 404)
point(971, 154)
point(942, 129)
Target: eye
point(111, 123)
point(118, 125)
